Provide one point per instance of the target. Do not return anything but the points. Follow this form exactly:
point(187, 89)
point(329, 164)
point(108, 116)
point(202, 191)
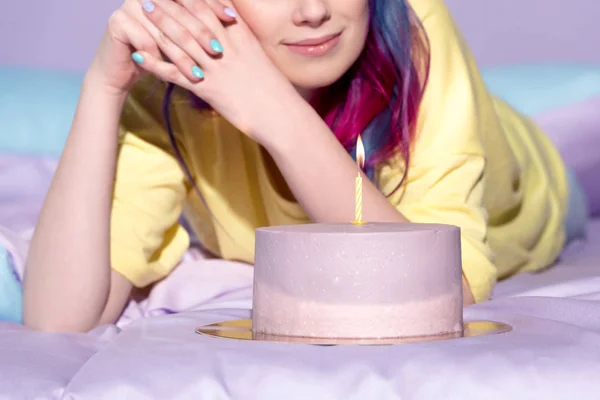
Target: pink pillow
point(575, 129)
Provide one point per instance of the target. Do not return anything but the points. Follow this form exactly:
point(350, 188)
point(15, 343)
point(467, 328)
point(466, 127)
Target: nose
point(312, 13)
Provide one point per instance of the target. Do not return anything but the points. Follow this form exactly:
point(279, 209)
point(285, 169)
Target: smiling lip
point(315, 47)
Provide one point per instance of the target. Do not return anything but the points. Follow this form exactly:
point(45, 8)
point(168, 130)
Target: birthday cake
point(377, 280)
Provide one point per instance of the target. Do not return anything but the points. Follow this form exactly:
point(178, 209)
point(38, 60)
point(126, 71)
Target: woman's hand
point(229, 68)
point(129, 31)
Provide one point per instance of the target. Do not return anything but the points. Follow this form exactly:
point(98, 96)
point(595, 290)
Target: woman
point(280, 92)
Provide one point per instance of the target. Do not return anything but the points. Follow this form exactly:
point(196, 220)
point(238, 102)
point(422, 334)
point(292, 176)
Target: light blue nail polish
point(148, 6)
point(197, 72)
point(137, 57)
point(216, 46)
point(229, 12)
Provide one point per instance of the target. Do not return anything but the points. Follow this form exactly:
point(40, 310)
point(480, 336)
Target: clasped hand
point(214, 54)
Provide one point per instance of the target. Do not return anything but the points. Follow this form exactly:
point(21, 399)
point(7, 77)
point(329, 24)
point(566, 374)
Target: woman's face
point(313, 42)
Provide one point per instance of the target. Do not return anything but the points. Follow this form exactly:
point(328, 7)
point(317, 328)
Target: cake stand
point(241, 329)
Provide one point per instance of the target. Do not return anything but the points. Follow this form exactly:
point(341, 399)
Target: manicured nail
point(216, 46)
point(148, 6)
point(197, 72)
point(137, 57)
point(229, 12)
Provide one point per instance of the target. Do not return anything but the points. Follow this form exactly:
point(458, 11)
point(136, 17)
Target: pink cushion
point(575, 129)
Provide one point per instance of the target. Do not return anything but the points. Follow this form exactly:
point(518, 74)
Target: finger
point(233, 30)
point(182, 59)
point(223, 12)
point(163, 70)
point(130, 32)
point(204, 27)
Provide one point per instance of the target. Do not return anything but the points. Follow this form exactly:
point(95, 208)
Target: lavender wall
point(64, 33)
point(506, 31)
point(59, 34)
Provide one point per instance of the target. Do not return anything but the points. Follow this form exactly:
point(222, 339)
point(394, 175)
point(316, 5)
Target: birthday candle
point(358, 208)
point(360, 160)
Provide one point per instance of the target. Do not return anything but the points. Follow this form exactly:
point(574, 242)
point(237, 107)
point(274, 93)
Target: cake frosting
point(377, 280)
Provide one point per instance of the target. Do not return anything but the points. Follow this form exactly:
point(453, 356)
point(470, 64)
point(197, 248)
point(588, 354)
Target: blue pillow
point(36, 109)
point(536, 88)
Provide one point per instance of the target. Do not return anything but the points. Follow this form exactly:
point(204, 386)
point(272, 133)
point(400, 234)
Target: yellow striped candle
point(358, 207)
point(360, 160)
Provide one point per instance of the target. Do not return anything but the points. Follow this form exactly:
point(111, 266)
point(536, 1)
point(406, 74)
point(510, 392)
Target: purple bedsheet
point(553, 351)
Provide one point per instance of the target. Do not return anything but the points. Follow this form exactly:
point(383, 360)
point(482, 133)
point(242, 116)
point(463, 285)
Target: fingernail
point(197, 72)
point(229, 12)
point(148, 6)
point(137, 57)
point(216, 46)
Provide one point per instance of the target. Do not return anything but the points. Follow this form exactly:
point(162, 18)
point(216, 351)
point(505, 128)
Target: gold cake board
point(241, 329)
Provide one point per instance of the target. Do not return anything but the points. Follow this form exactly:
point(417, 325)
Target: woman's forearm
point(319, 171)
point(67, 279)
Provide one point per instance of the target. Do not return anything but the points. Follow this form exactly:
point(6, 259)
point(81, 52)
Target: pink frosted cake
point(376, 280)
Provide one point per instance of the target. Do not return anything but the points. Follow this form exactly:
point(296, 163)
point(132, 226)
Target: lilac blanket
point(553, 351)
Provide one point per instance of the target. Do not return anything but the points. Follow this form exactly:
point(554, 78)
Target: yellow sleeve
point(445, 182)
point(147, 241)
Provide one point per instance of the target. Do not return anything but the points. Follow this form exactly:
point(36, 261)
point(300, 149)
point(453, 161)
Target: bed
point(552, 352)
point(153, 352)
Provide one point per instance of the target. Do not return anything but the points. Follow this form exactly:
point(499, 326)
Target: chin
point(316, 77)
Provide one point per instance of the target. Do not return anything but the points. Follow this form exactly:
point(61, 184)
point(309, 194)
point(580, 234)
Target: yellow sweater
point(476, 163)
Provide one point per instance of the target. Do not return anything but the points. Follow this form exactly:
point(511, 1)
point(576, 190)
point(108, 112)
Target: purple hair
point(378, 97)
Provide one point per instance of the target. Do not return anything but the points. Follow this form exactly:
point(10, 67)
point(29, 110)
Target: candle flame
point(360, 153)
